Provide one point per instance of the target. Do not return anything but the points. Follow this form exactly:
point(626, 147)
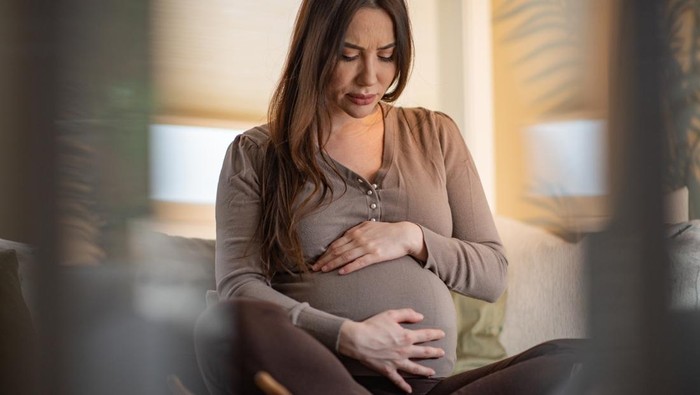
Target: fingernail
point(341, 271)
point(324, 269)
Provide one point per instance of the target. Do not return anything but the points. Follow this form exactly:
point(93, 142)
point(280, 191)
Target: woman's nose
point(368, 73)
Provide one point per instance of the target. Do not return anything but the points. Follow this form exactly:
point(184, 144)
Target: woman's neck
point(358, 144)
point(345, 126)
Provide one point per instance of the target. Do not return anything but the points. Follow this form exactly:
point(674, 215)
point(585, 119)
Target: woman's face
point(367, 65)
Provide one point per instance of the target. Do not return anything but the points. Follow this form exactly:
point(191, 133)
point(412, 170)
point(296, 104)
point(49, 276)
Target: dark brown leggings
point(236, 339)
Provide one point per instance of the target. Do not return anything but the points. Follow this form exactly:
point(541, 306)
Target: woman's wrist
point(346, 336)
point(416, 243)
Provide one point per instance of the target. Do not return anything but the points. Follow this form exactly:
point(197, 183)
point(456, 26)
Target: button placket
point(373, 201)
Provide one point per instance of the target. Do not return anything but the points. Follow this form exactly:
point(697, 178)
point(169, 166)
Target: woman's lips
point(361, 100)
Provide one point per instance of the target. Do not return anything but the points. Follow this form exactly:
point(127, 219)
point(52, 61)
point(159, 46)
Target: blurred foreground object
point(640, 345)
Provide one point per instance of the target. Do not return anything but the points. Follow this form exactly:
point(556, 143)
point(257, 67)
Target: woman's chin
point(361, 111)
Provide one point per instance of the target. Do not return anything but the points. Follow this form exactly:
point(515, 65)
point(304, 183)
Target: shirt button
point(373, 219)
point(370, 192)
point(360, 180)
point(373, 206)
point(375, 186)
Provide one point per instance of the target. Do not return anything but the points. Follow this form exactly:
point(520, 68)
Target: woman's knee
point(225, 336)
point(235, 318)
point(574, 347)
point(560, 345)
point(564, 351)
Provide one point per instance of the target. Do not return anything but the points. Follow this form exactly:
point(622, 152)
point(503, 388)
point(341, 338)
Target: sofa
point(545, 298)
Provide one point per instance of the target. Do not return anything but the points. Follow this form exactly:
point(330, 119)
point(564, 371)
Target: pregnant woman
point(343, 224)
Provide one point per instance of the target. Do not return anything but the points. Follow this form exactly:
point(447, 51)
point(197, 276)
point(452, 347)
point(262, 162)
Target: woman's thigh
point(236, 339)
point(539, 370)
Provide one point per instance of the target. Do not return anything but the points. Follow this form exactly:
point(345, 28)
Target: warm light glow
point(567, 158)
point(185, 162)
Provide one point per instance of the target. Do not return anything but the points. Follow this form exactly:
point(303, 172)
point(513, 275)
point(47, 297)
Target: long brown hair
point(298, 115)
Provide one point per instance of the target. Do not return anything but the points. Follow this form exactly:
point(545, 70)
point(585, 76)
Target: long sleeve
point(239, 271)
point(472, 261)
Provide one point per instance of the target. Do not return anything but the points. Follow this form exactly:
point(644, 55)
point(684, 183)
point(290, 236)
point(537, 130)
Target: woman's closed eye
point(386, 57)
point(383, 58)
point(349, 58)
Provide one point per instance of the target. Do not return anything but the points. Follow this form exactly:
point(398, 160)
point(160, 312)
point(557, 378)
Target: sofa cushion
point(684, 256)
point(25, 260)
point(17, 343)
point(546, 286)
point(173, 276)
point(14, 313)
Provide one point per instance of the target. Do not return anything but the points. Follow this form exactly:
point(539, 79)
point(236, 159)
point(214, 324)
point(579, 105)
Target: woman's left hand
point(372, 242)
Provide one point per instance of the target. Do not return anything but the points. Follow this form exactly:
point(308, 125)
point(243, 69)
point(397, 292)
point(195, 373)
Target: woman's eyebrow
point(353, 46)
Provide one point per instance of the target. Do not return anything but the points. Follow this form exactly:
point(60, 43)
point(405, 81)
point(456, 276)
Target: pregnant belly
point(396, 284)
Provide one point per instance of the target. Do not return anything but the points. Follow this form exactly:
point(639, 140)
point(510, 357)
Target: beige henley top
point(427, 177)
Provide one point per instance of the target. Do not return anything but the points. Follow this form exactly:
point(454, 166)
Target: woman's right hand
point(383, 345)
